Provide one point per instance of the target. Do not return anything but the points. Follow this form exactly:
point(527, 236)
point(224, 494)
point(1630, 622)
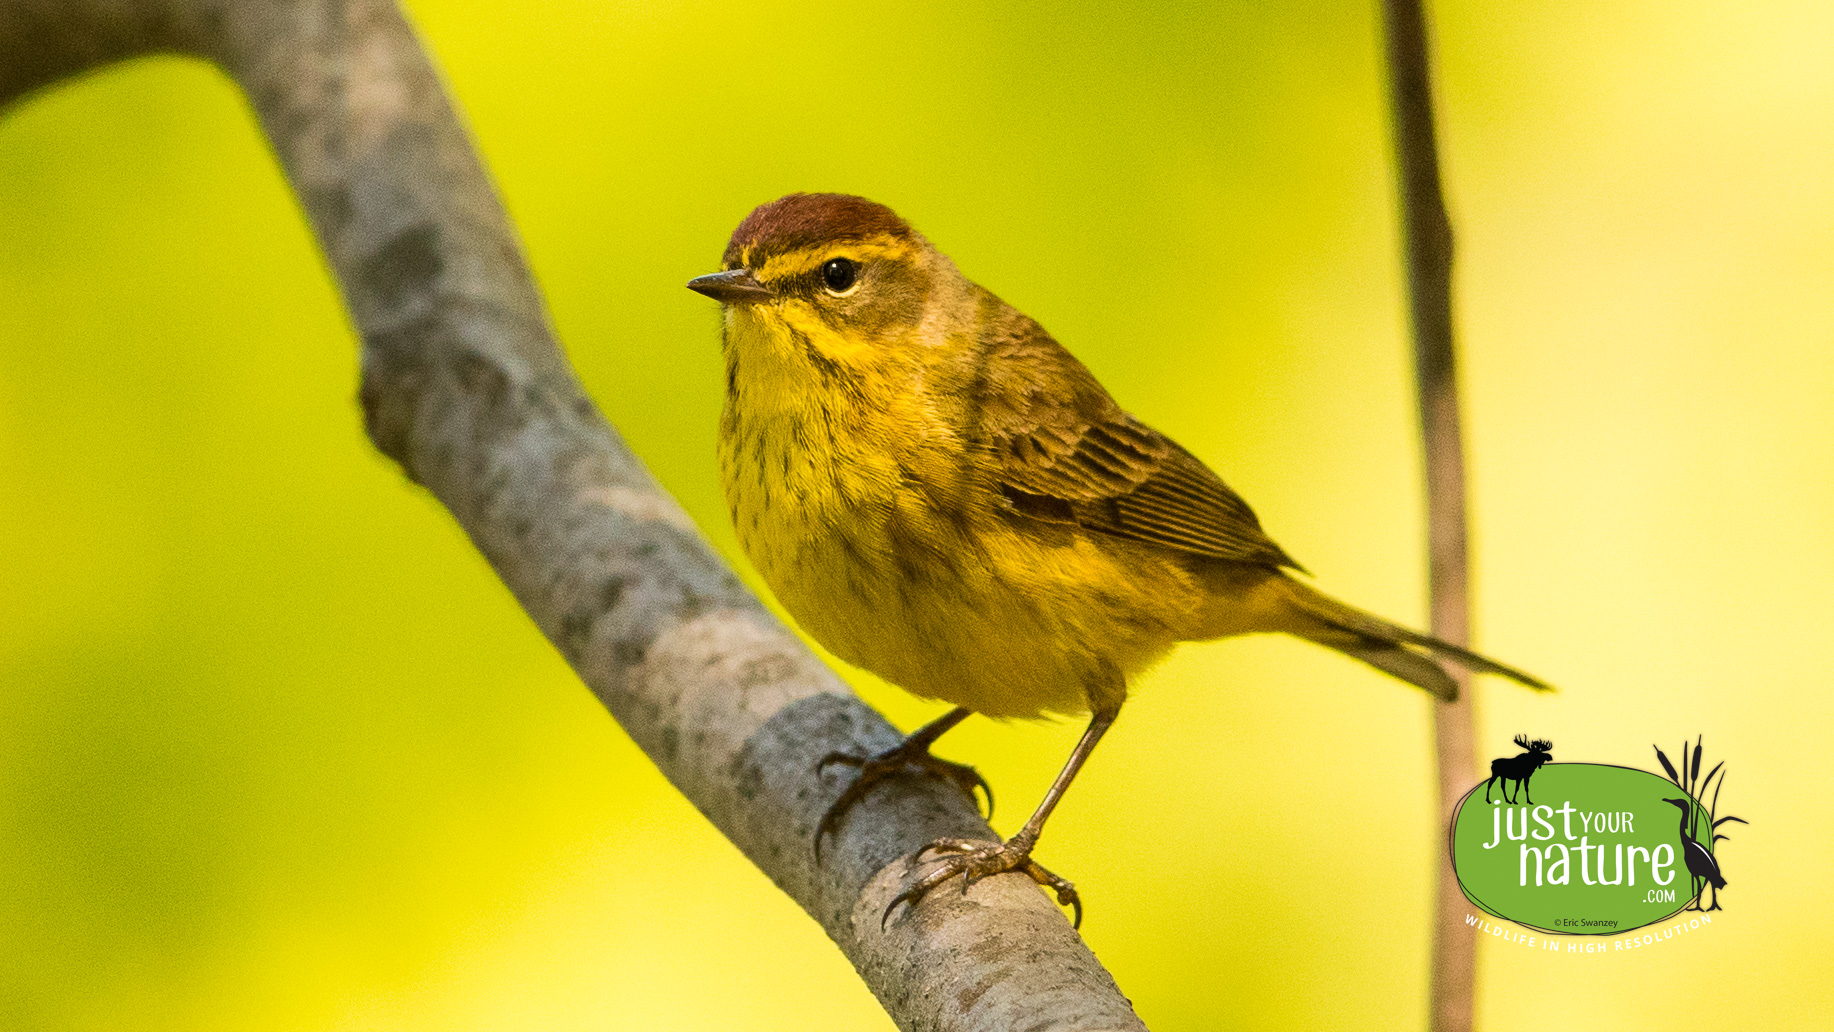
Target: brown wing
point(1064, 451)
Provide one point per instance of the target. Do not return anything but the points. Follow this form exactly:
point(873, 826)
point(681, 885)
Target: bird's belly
point(949, 606)
point(969, 644)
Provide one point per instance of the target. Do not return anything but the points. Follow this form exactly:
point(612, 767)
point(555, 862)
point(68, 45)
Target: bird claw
point(976, 860)
point(874, 769)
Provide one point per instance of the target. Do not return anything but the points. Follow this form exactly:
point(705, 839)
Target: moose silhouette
point(1519, 768)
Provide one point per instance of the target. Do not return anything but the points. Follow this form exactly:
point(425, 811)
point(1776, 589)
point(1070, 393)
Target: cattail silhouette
point(1702, 864)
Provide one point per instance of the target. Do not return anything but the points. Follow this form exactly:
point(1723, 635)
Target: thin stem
point(1428, 233)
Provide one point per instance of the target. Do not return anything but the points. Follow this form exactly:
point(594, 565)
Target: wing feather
point(1062, 450)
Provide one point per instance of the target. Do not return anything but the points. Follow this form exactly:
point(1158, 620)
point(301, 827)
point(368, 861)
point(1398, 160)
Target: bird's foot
point(976, 860)
point(874, 769)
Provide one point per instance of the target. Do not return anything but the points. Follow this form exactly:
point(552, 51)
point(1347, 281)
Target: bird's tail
point(1413, 657)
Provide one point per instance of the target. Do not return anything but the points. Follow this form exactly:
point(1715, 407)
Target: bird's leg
point(912, 752)
point(976, 860)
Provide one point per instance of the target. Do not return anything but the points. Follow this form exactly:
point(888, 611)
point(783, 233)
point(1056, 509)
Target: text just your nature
point(1553, 863)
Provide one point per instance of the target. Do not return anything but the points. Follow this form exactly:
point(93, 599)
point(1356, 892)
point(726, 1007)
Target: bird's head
point(833, 281)
point(1684, 804)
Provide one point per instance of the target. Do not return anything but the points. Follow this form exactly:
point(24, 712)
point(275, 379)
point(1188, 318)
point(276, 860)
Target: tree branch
point(465, 387)
point(1428, 232)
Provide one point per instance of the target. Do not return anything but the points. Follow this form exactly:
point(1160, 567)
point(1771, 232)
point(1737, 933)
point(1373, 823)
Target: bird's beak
point(735, 287)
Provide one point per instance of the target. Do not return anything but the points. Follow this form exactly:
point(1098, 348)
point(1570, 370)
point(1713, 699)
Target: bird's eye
point(839, 274)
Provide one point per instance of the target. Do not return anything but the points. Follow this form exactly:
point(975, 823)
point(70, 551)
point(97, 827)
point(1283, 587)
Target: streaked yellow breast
point(858, 504)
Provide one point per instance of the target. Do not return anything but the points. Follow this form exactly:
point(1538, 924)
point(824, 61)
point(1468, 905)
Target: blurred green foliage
point(278, 752)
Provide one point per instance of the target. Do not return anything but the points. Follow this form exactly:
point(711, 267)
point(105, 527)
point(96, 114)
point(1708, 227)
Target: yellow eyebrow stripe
point(795, 263)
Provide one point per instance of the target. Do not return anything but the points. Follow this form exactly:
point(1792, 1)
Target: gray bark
point(465, 387)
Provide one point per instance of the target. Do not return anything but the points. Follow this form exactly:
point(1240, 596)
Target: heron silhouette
point(1701, 865)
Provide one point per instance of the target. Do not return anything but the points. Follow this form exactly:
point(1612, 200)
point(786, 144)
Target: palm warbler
point(941, 494)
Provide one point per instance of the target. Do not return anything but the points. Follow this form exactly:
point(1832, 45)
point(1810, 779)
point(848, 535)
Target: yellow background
point(278, 752)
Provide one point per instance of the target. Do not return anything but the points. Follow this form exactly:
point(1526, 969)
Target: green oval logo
point(1598, 850)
